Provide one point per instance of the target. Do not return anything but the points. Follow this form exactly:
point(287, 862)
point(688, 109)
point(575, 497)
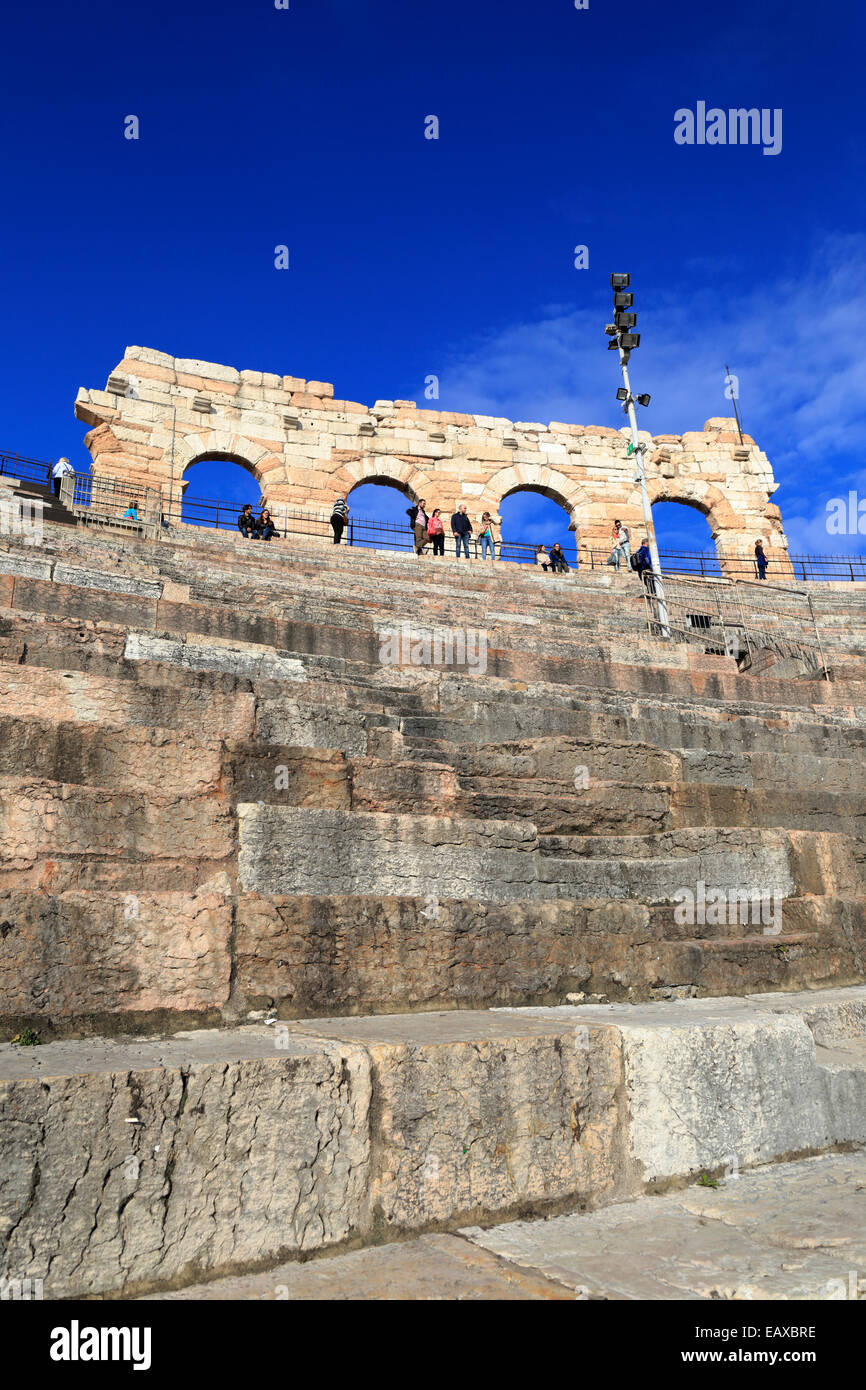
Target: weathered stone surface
point(238, 1152)
point(236, 659)
point(713, 1082)
point(76, 954)
point(428, 1267)
point(583, 468)
point(793, 1231)
point(335, 1129)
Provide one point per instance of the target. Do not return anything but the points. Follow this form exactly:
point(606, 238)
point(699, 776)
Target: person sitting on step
point(247, 523)
point(558, 561)
point(265, 525)
point(542, 558)
point(131, 512)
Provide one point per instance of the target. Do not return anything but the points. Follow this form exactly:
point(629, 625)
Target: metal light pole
point(626, 340)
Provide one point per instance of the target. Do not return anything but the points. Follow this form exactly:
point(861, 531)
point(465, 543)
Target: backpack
point(635, 564)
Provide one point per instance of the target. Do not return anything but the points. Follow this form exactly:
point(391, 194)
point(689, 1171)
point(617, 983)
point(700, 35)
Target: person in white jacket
point(61, 467)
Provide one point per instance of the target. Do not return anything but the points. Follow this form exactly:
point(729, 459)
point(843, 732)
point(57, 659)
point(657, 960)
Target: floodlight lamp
point(623, 301)
point(612, 344)
point(644, 399)
point(610, 329)
point(622, 394)
point(624, 320)
point(620, 282)
point(630, 340)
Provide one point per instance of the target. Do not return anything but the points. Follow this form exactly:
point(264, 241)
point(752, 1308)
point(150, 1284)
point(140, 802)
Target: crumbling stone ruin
point(159, 415)
point(324, 948)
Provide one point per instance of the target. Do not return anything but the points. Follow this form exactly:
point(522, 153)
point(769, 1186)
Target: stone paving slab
point(435, 1267)
point(792, 1231)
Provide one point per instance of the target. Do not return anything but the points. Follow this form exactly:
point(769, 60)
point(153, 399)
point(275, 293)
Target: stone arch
point(392, 472)
point(265, 466)
point(699, 494)
point(534, 477)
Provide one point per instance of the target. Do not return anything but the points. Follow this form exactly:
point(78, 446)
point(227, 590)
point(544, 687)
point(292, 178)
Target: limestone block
point(30, 566)
point(80, 953)
point(244, 659)
point(111, 583)
point(149, 355)
point(209, 371)
point(200, 1183)
point(321, 388)
point(514, 1115)
point(293, 850)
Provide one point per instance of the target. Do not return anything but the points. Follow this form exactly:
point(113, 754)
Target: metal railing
point(740, 618)
point(96, 500)
point(389, 535)
point(28, 470)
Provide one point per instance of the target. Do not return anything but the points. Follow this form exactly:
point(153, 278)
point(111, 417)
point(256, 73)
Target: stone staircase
point(218, 802)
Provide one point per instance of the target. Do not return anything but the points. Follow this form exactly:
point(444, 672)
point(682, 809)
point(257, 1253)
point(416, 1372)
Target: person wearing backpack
point(436, 532)
point(760, 560)
point(339, 517)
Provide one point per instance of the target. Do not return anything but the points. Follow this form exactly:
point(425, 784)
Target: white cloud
point(795, 341)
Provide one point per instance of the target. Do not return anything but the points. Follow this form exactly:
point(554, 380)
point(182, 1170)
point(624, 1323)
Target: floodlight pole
point(638, 450)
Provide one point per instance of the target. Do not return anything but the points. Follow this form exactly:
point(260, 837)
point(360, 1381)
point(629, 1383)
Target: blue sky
point(305, 127)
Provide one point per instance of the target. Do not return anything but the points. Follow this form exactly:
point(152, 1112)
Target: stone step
point(134, 958)
point(338, 1130)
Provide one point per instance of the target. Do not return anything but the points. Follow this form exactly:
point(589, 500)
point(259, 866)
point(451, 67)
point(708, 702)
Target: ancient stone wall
point(159, 415)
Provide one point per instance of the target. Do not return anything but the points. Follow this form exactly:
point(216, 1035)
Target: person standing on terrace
point(461, 529)
point(487, 536)
point(436, 532)
point(339, 517)
point(58, 472)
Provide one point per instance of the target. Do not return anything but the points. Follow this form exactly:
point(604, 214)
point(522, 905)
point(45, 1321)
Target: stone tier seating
point(217, 802)
point(216, 797)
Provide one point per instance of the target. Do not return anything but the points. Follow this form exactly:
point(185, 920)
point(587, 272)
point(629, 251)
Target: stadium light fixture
point(619, 336)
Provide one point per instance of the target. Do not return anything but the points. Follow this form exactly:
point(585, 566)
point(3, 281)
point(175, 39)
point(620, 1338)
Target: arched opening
point(377, 514)
point(533, 516)
point(215, 489)
point(685, 539)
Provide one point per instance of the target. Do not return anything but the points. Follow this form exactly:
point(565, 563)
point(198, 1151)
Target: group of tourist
point(428, 528)
point(257, 528)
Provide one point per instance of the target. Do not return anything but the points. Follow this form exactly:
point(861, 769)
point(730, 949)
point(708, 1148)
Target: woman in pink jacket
point(436, 532)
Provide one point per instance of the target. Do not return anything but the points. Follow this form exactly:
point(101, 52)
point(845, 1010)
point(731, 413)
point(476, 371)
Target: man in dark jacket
point(247, 523)
point(461, 529)
point(644, 565)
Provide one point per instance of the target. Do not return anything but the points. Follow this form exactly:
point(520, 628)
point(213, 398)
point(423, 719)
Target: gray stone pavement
point(787, 1231)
